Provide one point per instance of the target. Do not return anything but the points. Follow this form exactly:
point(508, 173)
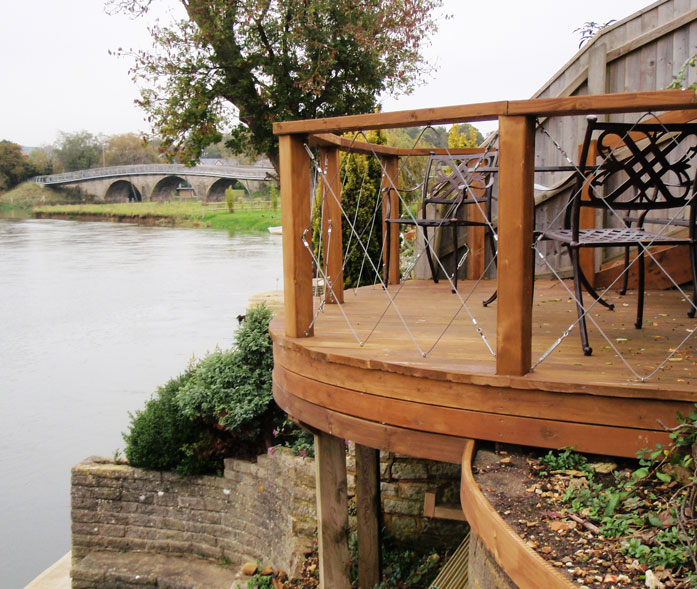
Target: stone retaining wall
point(258, 511)
point(261, 511)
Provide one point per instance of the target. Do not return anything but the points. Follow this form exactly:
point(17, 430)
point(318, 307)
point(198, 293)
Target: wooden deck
point(386, 394)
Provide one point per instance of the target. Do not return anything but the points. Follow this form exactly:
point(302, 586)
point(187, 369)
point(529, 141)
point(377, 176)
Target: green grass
point(28, 194)
point(187, 214)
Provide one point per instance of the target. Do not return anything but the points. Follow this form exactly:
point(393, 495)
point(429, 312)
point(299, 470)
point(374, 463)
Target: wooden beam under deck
point(595, 404)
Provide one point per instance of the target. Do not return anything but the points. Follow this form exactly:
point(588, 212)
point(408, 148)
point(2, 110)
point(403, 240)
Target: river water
point(93, 317)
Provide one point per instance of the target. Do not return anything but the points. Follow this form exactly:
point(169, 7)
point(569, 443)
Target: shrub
point(222, 406)
point(162, 438)
point(274, 197)
point(233, 388)
point(230, 199)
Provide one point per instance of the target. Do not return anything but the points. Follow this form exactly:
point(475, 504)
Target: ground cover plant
point(402, 568)
point(221, 406)
point(605, 522)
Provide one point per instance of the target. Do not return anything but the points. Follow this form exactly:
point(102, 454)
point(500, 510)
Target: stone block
point(140, 474)
point(206, 551)
point(206, 517)
point(389, 490)
point(304, 494)
point(444, 469)
point(238, 465)
point(414, 491)
point(306, 480)
point(409, 470)
point(90, 529)
point(402, 507)
point(191, 502)
point(85, 502)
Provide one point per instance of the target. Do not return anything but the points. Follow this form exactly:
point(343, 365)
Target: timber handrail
point(516, 197)
point(488, 111)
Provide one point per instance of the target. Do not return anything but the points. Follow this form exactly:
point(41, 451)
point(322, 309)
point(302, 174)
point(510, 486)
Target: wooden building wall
point(644, 51)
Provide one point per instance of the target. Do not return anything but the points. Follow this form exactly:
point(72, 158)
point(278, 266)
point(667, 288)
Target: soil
point(532, 505)
point(310, 574)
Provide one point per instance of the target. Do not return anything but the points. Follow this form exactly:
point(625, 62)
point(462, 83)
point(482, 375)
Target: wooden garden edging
point(521, 563)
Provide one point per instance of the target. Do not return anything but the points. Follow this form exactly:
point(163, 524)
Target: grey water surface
point(93, 317)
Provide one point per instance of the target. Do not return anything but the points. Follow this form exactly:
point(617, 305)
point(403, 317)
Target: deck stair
point(454, 574)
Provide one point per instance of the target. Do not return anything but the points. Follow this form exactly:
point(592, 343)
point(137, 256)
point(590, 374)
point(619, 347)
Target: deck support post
point(515, 253)
point(390, 179)
point(368, 514)
point(332, 241)
point(332, 511)
point(295, 217)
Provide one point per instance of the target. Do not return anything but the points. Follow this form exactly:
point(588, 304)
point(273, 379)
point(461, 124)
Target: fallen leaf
point(603, 467)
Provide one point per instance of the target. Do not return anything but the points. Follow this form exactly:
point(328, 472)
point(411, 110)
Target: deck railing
point(516, 120)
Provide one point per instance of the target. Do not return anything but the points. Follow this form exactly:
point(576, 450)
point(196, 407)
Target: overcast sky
point(57, 74)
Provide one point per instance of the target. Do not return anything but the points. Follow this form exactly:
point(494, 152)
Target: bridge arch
point(166, 189)
point(122, 191)
point(216, 191)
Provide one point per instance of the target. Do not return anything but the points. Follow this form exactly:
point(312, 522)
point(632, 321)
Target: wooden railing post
point(515, 255)
point(476, 237)
point(332, 243)
point(390, 179)
point(295, 217)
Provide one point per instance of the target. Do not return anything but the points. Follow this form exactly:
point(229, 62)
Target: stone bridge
point(151, 182)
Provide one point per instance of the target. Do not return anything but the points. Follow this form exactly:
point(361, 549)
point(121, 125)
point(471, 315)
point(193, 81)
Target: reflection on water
point(93, 317)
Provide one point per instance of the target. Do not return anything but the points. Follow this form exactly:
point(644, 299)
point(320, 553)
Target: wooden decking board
point(330, 381)
point(461, 354)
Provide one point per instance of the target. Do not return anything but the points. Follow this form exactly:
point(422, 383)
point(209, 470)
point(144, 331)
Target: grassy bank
point(28, 194)
point(182, 214)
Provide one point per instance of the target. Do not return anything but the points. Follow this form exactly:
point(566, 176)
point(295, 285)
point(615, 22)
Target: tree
point(273, 60)
point(14, 166)
point(464, 135)
point(78, 151)
point(41, 158)
point(128, 148)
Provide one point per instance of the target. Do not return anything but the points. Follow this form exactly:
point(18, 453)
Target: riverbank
point(172, 214)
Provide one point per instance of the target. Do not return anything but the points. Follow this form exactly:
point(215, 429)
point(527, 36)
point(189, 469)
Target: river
point(93, 317)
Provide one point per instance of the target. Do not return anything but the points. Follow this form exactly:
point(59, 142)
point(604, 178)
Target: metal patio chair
point(643, 168)
point(452, 184)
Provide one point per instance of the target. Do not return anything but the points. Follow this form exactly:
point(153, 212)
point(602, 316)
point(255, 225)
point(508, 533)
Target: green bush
point(223, 406)
point(230, 197)
point(162, 438)
point(233, 388)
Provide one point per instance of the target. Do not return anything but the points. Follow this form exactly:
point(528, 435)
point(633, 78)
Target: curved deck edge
point(523, 565)
point(368, 433)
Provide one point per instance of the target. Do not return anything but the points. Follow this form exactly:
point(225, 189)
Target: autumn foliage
point(236, 66)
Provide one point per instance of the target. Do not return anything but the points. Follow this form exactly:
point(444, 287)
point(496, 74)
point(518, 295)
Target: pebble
point(249, 568)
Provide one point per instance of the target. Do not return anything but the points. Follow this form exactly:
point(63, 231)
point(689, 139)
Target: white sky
point(57, 74)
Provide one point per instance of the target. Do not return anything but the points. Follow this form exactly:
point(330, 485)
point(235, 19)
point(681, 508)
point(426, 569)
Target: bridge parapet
point(237, 172)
